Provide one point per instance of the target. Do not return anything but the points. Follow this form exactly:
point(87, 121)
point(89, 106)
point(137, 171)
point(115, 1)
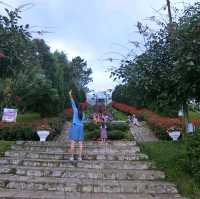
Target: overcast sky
point(93, 29)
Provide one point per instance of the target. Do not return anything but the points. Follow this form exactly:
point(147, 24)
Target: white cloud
point(73, 49)
point(87, 28)
point(102, 81)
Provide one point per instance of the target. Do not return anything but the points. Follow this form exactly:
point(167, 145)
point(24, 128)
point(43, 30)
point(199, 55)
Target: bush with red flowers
point(157, 123)
point(69, 111)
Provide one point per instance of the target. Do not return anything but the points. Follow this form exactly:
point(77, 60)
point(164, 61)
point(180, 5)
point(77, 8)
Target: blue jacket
point(76, 119)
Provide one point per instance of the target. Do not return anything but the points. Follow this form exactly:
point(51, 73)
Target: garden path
point(142, 133)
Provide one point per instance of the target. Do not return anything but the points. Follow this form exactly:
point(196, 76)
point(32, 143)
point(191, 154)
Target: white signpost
point(190, 128)
point(9, 115)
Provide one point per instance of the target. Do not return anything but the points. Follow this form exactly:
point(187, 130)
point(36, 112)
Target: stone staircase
point(116, 170)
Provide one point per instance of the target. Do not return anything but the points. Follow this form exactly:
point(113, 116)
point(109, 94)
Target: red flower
point(196, 122)
point(152, 118)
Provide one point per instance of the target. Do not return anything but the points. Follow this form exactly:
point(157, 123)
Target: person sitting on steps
point(135, 121)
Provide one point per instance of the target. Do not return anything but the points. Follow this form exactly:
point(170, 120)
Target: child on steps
point(103, 131)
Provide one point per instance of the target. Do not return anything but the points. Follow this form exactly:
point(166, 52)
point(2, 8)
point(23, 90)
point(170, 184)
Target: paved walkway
point(142, 133)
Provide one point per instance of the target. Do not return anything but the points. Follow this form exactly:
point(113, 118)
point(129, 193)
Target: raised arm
point(72, 100)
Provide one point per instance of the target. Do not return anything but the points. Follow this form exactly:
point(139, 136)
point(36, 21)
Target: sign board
point(9, 115)
point(190, 128)
point(175, 135)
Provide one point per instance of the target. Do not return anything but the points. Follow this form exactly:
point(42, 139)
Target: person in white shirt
point(135, 120)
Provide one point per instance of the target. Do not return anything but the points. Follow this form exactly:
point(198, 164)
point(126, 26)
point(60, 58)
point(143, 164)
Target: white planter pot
point(175, 135)
point(43, 134)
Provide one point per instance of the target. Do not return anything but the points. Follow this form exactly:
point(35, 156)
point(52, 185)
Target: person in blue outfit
point(76, 132)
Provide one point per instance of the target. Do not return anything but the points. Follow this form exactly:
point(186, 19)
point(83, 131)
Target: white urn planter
point(174, 135)
point(43, 134)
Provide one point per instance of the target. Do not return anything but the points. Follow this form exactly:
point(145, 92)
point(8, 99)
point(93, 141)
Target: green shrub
point(171, 158)
point(116, 135)
point(92, 135)
point(91, 126)
point(18, 132)
point(120, 127)
point(115, 131)
point(142, 116)
point(193, 155)
point(56, 125)
point(159, 131)
point(5, 146)
point(119, 135)
point(28, 117)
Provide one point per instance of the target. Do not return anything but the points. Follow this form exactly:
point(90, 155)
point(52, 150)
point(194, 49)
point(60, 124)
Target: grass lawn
point(194, 115)
point(169, 157)
point(5, 145)
point(27, 117)
point(118, 115)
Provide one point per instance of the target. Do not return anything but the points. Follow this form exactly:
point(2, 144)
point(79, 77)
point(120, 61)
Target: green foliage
point(91, 126)
point(120, 127)
point(92, 135)
point(117, 115)
point(31, 77)
point(118, 135)
point(171, 158)
point(115, 131)
point(28, 117)
point(56, 125)
point(165, 75)
point(14, 44)
point(159, 131)
point(18, 132)
point(5, 146)
point(193, 155)
point(194, 115)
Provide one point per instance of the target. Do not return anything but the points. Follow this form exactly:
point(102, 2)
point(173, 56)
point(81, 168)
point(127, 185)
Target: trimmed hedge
point(193, 155)
point(115, 131)
point(56, 125)
point(18, 132)
point(28, 131)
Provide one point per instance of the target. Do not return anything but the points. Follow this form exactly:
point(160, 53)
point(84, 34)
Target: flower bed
point(27, 130)
point(69, 111)
point(157, 123)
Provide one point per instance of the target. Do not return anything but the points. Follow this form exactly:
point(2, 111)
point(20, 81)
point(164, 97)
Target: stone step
point(89, 164)
point(85, 185)
point(84, 173)
point(8, 194)
point(86, 143)
point(92, 149)
point(66, 156)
